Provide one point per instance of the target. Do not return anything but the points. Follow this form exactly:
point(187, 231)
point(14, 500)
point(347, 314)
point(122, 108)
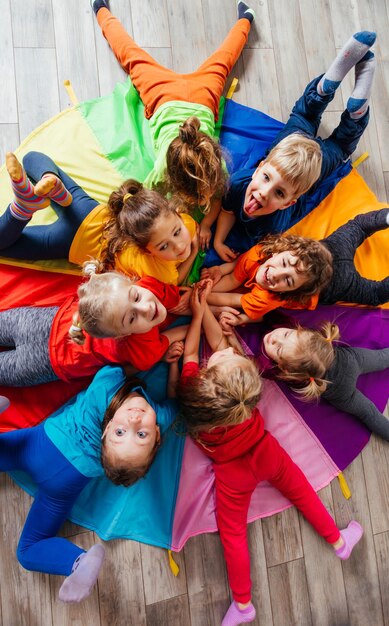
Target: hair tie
point(328, 339)
point(311, 379)
point(75, 328)
point(90, 268)
point(126, 196)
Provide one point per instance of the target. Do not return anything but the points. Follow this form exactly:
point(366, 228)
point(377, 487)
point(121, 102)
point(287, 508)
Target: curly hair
point(121, 473)
point(219, 396)
point(298, 159)
point(305, 370)
point(195, 166)
point(315, 261)
point(133, 211)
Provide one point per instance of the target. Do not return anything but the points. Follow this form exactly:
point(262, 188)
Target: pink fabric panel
point(195, 510)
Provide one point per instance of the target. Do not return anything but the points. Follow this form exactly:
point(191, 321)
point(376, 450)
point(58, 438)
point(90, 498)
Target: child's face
point(137, 310)
point(132, 432)
point(226, 357)
point(170, 239)
point(279, 273)
point(281, 344)
point(267, 192)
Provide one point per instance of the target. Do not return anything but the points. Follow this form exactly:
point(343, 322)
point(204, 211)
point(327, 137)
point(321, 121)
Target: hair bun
point(188, 131)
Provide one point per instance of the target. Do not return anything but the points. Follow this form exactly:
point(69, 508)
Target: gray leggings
point(25, 331)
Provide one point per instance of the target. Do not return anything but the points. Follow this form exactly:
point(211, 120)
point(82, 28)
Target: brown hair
point(297, 158)
point(306, 369)
point(194, 165)
point(125, 474)
point(133, 211)
point(219, 396)
point(315, 260)
point(96, 305)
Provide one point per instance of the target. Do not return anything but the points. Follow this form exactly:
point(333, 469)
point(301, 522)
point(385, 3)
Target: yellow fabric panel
point(68, 140)
point(350, 197)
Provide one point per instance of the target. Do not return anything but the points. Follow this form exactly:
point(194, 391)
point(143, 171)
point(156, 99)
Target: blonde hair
point(298, 160)
point(96, 307)
point(195, 166)
point(315, 261)
point(219, 396)
point(306, 369)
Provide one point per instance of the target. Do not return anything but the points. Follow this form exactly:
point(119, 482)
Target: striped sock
point(26, 202)
point(50, 186)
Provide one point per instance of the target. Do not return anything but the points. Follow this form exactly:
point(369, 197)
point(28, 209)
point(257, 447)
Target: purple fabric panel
point(341, 434)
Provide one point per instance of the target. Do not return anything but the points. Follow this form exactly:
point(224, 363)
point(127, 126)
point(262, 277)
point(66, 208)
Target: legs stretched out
point(59, 484)
point(157, 84)
point(70, 201)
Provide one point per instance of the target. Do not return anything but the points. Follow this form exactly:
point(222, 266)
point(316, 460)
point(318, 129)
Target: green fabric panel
point(118, 122)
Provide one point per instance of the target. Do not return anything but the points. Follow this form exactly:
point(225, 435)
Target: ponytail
point(305, 370)
point(133, 211)
point(194, 166)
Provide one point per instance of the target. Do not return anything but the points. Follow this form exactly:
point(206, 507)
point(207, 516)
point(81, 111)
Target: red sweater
point(244, 455)
point(70, 360)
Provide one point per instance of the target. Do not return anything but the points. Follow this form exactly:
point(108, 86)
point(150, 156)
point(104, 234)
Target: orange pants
point(157, 84)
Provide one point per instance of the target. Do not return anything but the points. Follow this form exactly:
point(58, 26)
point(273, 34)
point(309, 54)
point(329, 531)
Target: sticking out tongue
point(251, 206)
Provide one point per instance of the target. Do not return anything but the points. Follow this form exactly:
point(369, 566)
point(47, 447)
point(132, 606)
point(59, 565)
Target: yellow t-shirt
point(132, 260)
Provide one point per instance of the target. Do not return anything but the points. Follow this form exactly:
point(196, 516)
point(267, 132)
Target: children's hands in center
point(227, 321)
point(174, 352)
point(198, 298)
point(214, 273)
point(182, 308)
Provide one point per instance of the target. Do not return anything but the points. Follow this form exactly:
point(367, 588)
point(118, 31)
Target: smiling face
point(267, 192)
point(281, 272)
point(281, 344)
point(170, 239)
point(137, 310)
point(132, 433)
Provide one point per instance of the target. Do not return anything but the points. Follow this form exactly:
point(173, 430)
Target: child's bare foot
point(14, 168)
point(50, 186)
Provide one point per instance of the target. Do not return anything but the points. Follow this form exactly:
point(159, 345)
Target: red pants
point(235, 483)
point(157, 84)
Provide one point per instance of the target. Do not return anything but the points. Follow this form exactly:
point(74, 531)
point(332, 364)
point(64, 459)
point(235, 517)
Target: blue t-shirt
point(75, 429)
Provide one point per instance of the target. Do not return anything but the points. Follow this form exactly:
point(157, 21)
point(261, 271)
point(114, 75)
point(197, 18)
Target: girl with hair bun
point(182, 109)
point(139, 232)
point(315, 367)
point(114, 319)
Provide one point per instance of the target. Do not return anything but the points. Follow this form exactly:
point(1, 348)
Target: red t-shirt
point(260, 300)
point(70, 360)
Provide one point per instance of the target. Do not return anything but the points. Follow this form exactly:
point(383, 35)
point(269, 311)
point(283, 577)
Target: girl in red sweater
point(218, 404)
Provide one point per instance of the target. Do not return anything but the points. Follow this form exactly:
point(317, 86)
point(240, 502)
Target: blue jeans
point(50, 241)
point(305, 118)
point(59, 483)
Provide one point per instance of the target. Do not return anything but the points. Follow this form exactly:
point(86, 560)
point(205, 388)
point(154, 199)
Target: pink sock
point(351, 535)
point(86, 568)
point(235, 615)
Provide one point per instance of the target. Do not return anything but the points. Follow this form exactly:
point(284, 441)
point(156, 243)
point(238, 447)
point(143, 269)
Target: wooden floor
point(296, 578)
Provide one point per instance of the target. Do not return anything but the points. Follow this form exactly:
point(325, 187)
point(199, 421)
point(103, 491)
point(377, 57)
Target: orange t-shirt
point(259, 300)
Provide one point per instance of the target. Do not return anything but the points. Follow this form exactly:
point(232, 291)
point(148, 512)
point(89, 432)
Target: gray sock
point(358, 102)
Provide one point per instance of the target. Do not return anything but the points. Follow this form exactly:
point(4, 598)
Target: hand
point(204, 236)
point(183, 303)
point(225, 252)
point(214, 273)
point(198, 298)
point(227, 320)
point(174, 352)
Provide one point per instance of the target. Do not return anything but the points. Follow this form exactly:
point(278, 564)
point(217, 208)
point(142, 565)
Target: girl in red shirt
point(218, 404)
point(123, 320)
